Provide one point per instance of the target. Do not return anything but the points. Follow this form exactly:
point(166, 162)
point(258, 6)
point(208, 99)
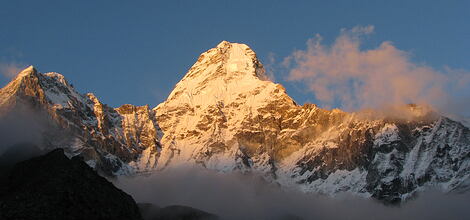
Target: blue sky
point(136, 51)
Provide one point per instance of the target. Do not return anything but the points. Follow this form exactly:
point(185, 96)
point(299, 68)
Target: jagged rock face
point(140, 128)
point(122, 140)
point(225, 114)
point(386, 159)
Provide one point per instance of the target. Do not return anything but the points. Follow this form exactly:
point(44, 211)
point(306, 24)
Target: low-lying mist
point(17, 130)
point(241, 196)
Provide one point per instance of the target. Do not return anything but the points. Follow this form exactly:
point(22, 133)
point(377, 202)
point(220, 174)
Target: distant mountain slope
point(115, 141)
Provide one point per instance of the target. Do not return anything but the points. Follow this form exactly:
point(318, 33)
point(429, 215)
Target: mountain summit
point(219, 74)
point(228, 60)
point(226, 115)
point(214, 110)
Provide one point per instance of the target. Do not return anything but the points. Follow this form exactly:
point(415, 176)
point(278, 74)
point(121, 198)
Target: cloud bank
point(238, 196)
point(343, 75)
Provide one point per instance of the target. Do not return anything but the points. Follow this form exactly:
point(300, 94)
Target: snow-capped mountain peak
point(228, 85)
point(27, 71)
point(50, 88)
point(227, 68)
point(222, 74)
point(25, 84)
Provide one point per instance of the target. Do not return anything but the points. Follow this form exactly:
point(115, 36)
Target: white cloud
point(355, 79)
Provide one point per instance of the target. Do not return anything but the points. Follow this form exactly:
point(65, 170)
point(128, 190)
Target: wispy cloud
point(10, 69)
point(343, 74)
point(270, 66)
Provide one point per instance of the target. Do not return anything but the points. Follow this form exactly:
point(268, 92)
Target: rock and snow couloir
point(226, 115)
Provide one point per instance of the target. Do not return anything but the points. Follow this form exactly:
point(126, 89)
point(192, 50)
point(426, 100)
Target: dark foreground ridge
point(56, 187)
point(53, 186)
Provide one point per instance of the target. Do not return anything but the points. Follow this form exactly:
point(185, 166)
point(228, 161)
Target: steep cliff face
point(122, 140)
point(388, 159)
point(226, 115)
point(140, 128)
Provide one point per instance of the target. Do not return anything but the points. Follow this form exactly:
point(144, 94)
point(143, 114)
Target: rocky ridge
point(115, 141)
point(53, 186)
